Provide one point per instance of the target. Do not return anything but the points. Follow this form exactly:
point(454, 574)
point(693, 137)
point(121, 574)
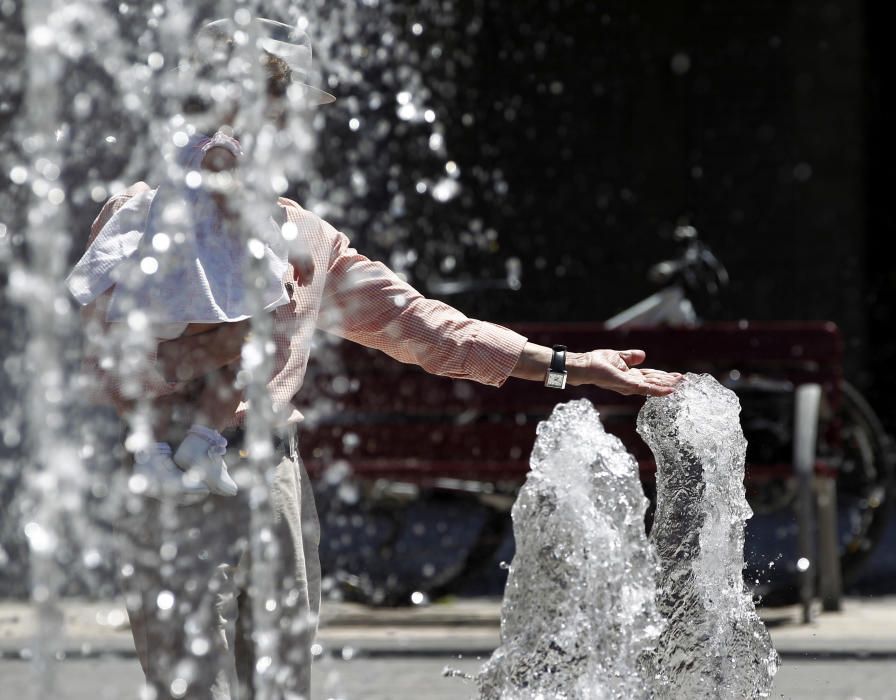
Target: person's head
point(224, 72)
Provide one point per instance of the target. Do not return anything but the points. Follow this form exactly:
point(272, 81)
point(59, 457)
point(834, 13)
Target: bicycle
point(863, 459)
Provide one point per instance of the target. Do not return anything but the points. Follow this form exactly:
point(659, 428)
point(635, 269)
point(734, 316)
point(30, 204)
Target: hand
point(193, 356)
point(616, 371)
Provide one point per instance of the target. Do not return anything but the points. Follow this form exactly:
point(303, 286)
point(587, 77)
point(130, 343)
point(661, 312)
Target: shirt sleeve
point(364, 301)
point(114, 378)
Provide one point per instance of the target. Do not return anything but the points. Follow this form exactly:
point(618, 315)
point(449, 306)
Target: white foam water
point(579, 612)
point(713, 644)
point(595, 610)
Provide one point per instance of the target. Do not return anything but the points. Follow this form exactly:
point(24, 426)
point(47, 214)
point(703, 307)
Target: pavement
point(864, 628)
point(429, 652)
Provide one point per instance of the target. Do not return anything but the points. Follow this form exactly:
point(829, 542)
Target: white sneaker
point(204, 460)
point(157, 476)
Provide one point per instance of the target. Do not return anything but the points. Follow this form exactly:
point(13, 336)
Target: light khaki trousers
point(223, 599)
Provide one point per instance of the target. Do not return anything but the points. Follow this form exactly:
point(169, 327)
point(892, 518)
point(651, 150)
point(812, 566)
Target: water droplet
point(445, 190)
point(41, 37)
point(149, 265)
point(289, 231)
point(279, 183)
point(138, 484)
point(18, 174)
point(680, 63)
point(256, 248)
point(165, 600)
point(116, 618)
point(178, 687)
point(193, 179)
point(199, 646)
point(802, 172)
point(161, 242)
point(39, 539)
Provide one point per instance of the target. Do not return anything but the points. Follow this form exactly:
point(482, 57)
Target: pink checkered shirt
point(346, 294)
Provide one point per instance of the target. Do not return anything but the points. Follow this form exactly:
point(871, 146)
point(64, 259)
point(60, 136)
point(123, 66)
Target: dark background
point(585, 132)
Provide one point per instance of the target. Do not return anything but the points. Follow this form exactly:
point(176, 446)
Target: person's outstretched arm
point(364, 301)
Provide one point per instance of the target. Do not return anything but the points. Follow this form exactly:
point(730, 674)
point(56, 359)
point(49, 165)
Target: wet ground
point(398, 654)
point(410, 678)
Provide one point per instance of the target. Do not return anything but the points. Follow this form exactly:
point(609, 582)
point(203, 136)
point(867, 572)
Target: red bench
point(404, 423)
point(393, 421)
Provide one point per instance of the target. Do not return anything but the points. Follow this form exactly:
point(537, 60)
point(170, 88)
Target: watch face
point(555, 380)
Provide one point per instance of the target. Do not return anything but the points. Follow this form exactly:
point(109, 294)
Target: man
point(222, 604)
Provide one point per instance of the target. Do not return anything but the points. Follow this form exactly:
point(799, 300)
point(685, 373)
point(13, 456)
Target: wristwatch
point(555, 377)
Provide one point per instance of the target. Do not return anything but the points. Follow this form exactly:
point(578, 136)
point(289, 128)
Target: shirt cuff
point(495, 352)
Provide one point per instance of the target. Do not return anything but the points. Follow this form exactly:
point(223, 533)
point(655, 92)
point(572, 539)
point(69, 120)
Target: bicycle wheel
point(864, 480)
point(852, 440)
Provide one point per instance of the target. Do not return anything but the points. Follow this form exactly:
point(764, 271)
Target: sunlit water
point(713, 645)
point(579, 610)
point(592, 608)
point(100, 112)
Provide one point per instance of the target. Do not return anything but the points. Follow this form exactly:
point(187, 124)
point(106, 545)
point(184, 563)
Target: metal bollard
point(805, 434)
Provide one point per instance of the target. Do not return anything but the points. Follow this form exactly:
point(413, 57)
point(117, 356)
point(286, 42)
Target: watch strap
point(558, 359)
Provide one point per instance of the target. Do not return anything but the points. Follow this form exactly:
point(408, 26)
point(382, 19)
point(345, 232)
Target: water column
point(273, 153)
point(52, 471)
point(255, 201)
point(714, 645)
point(579, 614)
point(586, 612)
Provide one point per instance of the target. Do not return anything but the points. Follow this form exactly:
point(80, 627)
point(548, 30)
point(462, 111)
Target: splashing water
point(579, 609)
point(713, 645)
point(586, 612)
point(69, 443)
